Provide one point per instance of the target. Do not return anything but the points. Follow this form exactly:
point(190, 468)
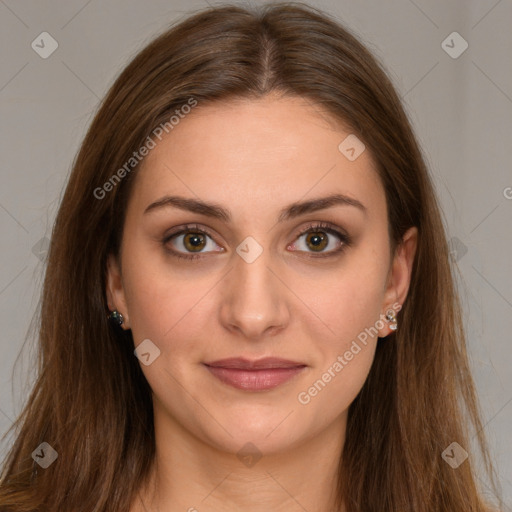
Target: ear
point(115, 290)
point(399, 277)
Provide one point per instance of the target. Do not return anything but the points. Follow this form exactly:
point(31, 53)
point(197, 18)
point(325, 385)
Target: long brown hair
point(91, 402)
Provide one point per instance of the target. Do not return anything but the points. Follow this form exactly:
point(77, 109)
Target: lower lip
point(255, 380)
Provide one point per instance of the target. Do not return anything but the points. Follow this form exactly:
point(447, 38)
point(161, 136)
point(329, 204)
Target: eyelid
point(185, 228)
point(327, 226)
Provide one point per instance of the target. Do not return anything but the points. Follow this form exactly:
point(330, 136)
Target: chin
point(270, 432)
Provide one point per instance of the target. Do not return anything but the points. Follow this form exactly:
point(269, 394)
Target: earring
point(391, 317)
point(116, 318)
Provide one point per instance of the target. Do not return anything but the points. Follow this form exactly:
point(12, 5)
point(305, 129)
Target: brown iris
point(194, 241)
point(318, 239)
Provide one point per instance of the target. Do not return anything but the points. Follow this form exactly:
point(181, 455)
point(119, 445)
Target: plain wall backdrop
point(459, 100)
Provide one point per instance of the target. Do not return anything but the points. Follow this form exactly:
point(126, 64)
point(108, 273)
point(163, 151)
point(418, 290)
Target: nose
point(254, 301)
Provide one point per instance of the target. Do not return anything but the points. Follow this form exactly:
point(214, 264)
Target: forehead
point(256, 155)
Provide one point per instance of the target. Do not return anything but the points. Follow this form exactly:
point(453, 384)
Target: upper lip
point(259, 364)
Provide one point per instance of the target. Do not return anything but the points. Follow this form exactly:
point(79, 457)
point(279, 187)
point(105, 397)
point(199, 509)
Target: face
point(254, 275)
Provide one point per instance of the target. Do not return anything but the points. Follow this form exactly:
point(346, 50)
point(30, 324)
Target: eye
point(318, 238)
point(192, 239)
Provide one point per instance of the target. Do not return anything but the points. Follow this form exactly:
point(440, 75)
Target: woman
point(248, 303)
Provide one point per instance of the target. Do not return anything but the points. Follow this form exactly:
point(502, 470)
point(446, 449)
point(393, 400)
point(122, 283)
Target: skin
point(254, 157)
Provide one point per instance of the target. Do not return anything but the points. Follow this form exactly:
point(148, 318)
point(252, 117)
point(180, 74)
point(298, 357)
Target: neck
point(191, 475)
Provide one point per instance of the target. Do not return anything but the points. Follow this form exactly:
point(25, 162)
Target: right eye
point(189, 242)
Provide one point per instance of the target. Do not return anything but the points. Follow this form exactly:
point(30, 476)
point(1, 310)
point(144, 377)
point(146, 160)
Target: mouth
point(255, 375)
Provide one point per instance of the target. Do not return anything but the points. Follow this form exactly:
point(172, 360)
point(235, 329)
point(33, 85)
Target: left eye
point(318, 239)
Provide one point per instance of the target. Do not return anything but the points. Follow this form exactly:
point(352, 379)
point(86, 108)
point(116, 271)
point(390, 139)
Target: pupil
point(317, 239)
point(195, 240)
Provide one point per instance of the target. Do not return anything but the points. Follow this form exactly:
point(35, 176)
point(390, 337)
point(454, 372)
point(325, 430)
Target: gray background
point(460, 107)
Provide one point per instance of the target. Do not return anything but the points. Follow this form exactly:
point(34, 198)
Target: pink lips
point(257, 375)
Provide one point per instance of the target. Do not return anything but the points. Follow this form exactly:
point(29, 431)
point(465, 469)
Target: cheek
point(346, 301)
point(331, 389)
point(351, 307)
point(166, 306)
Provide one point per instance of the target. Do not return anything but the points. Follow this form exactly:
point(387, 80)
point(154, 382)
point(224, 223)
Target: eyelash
point(345, 239)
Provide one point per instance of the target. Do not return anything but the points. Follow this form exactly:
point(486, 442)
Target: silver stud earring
point(116, 318)
point(391, 318)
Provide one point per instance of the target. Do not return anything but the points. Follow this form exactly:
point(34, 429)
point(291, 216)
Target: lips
point(245, 364)
point(254, 375)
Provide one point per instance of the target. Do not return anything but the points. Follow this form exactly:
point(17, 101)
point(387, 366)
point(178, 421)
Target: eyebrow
point(289, 212)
